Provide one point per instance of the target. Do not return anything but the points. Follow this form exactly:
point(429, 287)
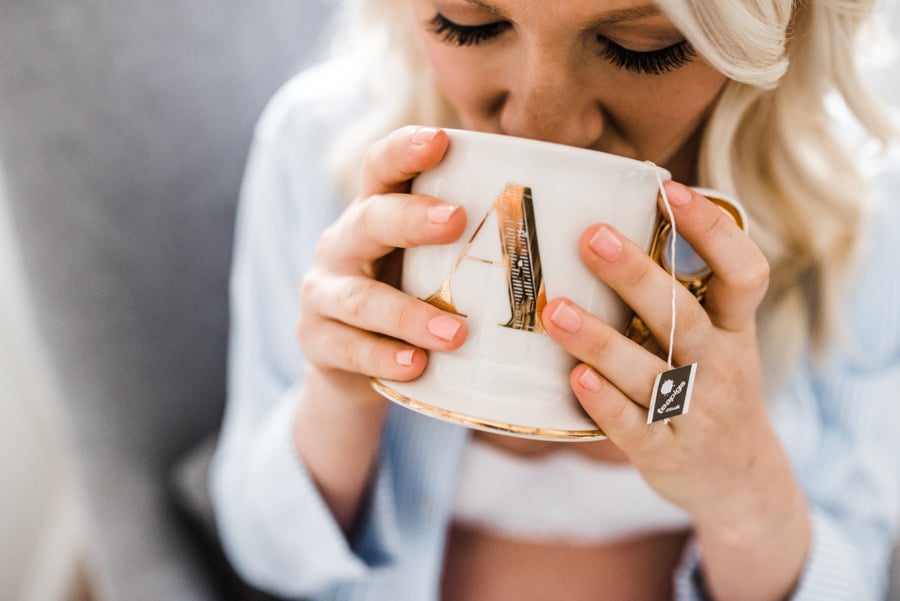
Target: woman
point(780, 483)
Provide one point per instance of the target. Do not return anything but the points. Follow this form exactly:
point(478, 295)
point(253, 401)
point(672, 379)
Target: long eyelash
point(465, 35)
point(654, 62)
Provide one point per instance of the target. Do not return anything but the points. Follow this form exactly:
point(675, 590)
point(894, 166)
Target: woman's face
point(613, 75)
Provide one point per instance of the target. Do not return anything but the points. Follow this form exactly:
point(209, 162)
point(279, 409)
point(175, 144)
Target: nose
point(550, 100)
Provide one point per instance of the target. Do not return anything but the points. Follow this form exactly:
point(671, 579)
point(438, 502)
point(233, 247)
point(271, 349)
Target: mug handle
point(696, 280)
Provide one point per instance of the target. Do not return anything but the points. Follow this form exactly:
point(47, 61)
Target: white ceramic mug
point(528, 202)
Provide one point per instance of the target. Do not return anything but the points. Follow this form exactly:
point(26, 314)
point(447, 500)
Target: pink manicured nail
point(441, 213)
point(606, 244)
point(590, 380)
point(444, 327)
point(678, 195)
point(566, 318)
point(404, 358)
point(424, 135)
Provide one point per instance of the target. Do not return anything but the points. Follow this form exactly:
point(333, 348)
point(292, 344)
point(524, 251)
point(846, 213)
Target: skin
point(546, 77)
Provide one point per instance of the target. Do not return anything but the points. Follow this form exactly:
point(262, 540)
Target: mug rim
point(557, 147)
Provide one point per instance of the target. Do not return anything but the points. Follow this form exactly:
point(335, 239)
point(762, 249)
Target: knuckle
point(357, 354)
point(359, 298)
point(371, 154)
point(301, 329)
point(378, 171)
point(760, 274)
point(327, 241)
point(358, 228)
point(412, 219)
point(599, 345)
point(407, 227)
point(407, 239)
point(639, 274)
point(372, 218)
point(753, 277)
point(405, 316)
point(408, 221)
point(350, 356)
point(378, 363)
point(696, 327)
point(307, 316)
point(616, 411)
point(367, 357)
point(364, 216)
point(694, 319)
point(719, 222)
point(375, 152)
point(309, 286)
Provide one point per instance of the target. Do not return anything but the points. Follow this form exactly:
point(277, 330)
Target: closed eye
point(653, 62)
point(465, 35)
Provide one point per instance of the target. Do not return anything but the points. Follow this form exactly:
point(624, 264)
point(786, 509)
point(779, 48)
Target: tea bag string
point(672, 388)
point(672, 238)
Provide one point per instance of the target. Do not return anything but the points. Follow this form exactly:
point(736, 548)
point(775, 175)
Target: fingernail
point(404, 358)
point(566, 317)
point(590, 380)
point(606, 244)
point(677, 194)
point(444, 327)
point(441, 213)
point(424, 135)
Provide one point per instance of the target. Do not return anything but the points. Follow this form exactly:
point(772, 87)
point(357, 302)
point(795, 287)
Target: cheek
point(657, 117)
point(466, 83)
point(697, 91)
point(456, 81)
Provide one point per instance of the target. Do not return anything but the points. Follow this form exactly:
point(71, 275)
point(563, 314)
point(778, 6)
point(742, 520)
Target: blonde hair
point(770, 139)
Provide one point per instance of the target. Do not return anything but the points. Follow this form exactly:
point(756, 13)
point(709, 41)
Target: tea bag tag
point(672, 393)
point(672, 388)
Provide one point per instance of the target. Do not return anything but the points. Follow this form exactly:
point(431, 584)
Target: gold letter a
point(521, 260)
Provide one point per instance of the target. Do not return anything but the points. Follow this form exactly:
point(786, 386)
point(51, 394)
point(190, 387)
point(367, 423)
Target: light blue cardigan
point(840, 425)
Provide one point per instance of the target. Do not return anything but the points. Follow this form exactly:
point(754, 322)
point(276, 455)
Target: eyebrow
point(627, 14)
point(486, 7)
point(609, 18)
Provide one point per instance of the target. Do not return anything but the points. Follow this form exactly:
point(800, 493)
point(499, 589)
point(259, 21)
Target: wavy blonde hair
point(770, 139)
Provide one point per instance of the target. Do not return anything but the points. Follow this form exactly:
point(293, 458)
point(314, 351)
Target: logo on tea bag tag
point(521, 260)
point(672, 392)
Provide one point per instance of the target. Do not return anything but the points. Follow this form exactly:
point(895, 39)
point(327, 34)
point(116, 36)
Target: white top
point(521, 497)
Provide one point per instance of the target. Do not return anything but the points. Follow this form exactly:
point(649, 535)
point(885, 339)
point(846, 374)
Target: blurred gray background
point(124, 127)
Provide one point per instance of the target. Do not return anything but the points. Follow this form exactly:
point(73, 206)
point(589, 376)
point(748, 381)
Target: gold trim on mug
point(696, 283)
point(482, 423)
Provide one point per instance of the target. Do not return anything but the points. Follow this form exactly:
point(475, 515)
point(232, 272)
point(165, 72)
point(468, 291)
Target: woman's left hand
point(721, 462)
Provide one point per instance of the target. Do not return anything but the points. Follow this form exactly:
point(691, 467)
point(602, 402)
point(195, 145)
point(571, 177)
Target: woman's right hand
point(353, 325)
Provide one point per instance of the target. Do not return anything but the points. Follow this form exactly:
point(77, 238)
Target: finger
point(334, 345)
point(740, 270)
point(393, 161)
point(378, 307)
point(624, 422)
point(370, 229)
point(647, 289)
point(630, 367)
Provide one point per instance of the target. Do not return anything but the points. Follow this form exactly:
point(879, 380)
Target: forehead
point(584, 13)
point(562, 14)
